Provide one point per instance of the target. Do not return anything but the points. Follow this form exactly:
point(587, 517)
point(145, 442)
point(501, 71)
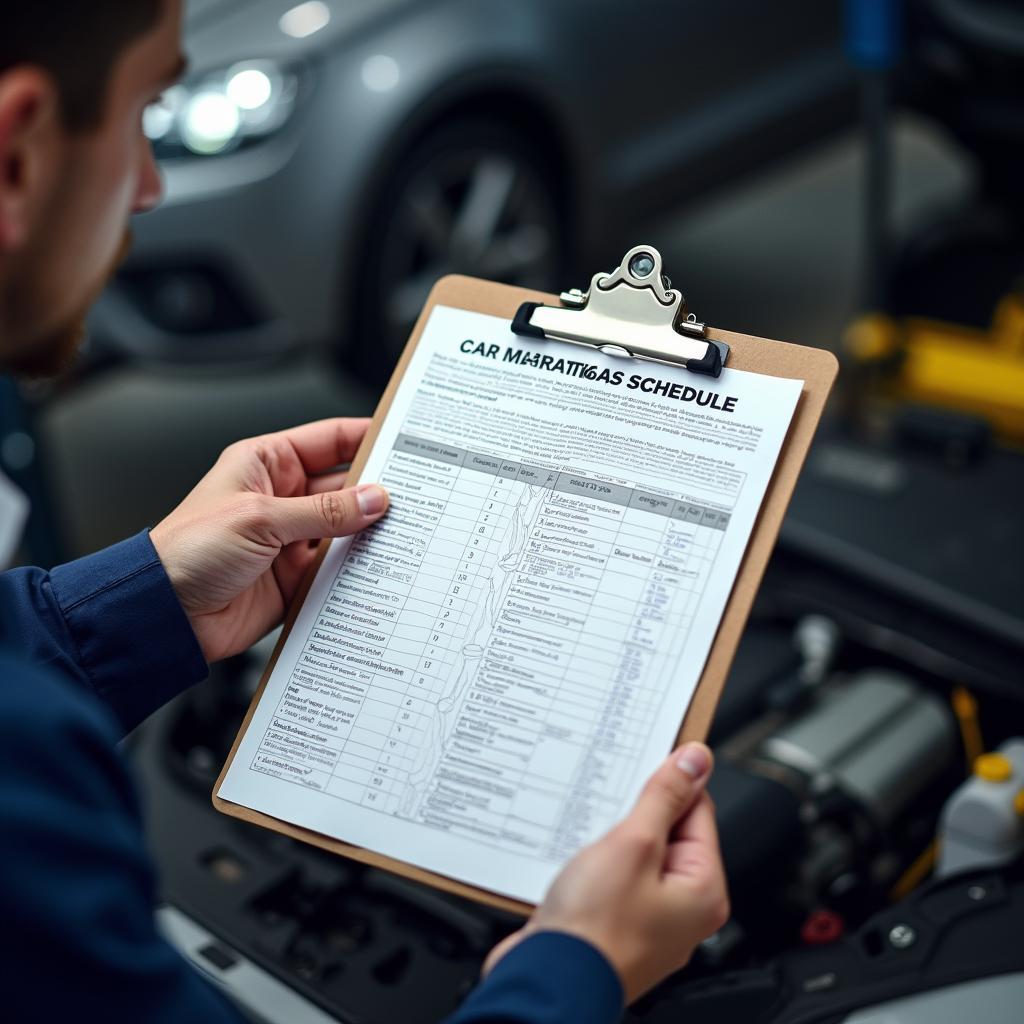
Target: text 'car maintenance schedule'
point(480, 683)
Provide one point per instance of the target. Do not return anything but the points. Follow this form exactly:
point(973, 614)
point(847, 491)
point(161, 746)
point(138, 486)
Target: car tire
point(473, 198)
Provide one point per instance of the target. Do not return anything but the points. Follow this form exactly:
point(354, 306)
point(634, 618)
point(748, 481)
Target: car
point(327, 160)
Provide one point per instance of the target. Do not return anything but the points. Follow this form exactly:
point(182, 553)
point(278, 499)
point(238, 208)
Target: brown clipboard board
point(816, 367)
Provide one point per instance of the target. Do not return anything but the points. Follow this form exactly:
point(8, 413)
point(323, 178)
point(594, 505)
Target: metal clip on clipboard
point(632, 313)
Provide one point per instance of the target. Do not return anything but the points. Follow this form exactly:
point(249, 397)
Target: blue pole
point(873, 31)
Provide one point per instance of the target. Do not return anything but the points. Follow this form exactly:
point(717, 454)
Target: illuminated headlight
point(219, 112)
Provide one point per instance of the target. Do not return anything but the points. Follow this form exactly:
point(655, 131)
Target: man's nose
point(151, 184)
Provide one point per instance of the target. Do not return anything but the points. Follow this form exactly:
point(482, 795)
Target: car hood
point(218, 32)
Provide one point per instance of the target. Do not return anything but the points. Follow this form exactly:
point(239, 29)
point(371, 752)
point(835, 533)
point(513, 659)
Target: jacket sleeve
point(550, 978)
point(110, 622)
point(77, 888)
point(77, 892)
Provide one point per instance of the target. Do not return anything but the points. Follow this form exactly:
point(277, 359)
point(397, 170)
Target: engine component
point(983, 821)
point(754, 854)
point(949, 950)
point(818, 639)
point(880, 739)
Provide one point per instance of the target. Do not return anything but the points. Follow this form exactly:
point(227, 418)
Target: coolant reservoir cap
point(993, 767)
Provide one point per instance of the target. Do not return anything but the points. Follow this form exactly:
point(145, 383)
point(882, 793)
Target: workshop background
point(840, 175)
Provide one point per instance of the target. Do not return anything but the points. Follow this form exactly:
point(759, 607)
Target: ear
point(30, 134)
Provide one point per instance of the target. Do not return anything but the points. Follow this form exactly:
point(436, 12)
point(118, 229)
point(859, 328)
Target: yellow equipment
point(933, 363)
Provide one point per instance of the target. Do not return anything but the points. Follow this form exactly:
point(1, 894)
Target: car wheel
point(472, 198)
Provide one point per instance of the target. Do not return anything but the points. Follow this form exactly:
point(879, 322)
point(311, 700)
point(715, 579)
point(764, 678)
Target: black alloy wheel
point(472, 198)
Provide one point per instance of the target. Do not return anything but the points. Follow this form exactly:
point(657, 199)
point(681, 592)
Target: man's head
point(75, 79)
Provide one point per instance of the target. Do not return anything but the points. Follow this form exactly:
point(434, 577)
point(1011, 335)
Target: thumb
point(506, 945)
point(330, 514)
point(672, 790)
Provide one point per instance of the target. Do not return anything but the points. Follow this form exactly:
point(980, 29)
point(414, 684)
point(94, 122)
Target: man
point(91, 648)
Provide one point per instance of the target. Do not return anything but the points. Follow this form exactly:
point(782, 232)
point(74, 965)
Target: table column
point(458, 797)
point(619, 635)
point(688, 554)
point(383, 566)
point(567, 556)
point(636, 699)
point(333, 717)
point(459, 569)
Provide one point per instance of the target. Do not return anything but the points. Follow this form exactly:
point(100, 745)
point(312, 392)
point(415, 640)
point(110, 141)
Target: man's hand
point(653, 888)
point(238, 546)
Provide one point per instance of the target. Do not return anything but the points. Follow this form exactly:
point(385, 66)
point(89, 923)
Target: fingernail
point(695, 760)
point(372, 499)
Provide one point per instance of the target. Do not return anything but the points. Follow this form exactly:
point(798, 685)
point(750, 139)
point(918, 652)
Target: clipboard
point(633, 313)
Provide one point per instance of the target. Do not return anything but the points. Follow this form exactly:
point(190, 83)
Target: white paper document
point(480, 683)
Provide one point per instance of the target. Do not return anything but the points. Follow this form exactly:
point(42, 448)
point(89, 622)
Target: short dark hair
point(77, 42)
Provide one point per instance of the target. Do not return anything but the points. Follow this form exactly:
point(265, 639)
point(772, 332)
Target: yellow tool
point(955, 367)
point(965, 707)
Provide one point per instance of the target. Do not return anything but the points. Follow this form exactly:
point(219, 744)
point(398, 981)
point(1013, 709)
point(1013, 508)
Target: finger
point(686, 828)
point(291, 566)
point(678, 832)
point(671, 790)
point(327, 482)
point(322, 445)
point(694, 848)
point(333, 514)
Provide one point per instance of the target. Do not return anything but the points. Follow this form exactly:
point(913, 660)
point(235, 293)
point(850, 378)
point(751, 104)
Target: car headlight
point(221, 111)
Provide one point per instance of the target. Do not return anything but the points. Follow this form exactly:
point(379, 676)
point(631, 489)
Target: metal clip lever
point(632, 312)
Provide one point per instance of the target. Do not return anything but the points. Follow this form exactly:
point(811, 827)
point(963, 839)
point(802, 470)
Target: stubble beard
point(53, 352)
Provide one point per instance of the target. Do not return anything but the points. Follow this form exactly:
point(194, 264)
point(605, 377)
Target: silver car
point(327, 160)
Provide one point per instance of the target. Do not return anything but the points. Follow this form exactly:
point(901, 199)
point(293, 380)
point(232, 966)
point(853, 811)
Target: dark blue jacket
point(87, 651)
